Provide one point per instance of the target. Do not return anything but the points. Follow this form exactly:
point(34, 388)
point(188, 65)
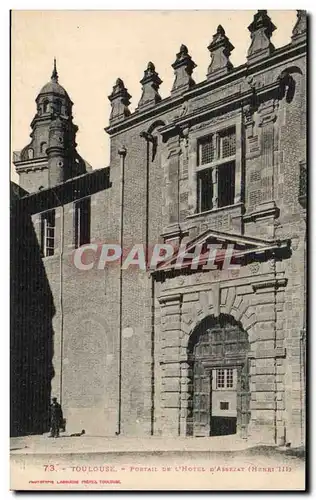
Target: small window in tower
point(82, 222)
point(43, 147)
point(30, 153)
point(48, 233)
point(45, 107)
point(57, 106)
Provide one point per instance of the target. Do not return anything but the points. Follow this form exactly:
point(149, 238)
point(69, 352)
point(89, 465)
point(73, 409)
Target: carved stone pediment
point(241, 249)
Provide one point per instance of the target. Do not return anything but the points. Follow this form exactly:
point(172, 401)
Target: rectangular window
point(48, 233)
point(205, 190)
point(227, 143)
point(223, 405)
point(216, 170)
point(207, 150)
point(226, 184)
point(82, 217)
point(220, 379)
point(229, 378)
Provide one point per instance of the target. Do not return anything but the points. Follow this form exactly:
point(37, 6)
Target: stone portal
point(219, 378)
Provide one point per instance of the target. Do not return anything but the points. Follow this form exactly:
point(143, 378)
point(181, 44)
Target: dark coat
point(56, 414)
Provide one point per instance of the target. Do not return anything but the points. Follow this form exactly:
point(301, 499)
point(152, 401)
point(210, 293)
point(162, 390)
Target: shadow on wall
point(31, 333)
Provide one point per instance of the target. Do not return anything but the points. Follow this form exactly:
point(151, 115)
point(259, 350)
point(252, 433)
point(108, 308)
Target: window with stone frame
point(82, 217)
point(48, 233)
point(216, 170)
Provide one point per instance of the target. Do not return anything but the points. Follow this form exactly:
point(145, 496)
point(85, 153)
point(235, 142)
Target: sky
point(94, 48)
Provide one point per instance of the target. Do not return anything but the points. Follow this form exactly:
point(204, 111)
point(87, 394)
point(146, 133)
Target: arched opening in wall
point(45, 107)
point(57, 106)
point(219, 393)
point(153, 131)
point(43, 148)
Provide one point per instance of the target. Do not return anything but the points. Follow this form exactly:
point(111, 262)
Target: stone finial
point(54, 77)
point(120, 100)
point(261, 30)
point(150, 82)
point(220, 49)
point(300, 28)
point(183, 69)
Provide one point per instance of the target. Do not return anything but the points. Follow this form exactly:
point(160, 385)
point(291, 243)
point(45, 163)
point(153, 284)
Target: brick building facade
point(179, 352)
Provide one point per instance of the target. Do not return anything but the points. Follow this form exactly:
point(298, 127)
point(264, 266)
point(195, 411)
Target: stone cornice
point(164, 299)
point(270, 283)
point(33, 164)
point(280, 55)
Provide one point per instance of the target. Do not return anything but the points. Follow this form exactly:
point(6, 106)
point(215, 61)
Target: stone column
point(192, 162)
point(267, 119)
point(184, 396)
point(266, 368)
point(267, 209)
point(172, 168)
point(238, 163)
point(172, 356)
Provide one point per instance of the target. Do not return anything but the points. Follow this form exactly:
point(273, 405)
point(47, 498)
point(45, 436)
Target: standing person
point(56, 418)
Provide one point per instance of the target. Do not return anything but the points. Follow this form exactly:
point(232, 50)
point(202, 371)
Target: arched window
point(45, 107)
point(57, 106)
point(30, 153)
point(43, 147)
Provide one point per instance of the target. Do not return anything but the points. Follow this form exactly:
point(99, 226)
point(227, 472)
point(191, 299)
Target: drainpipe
point(61, 305)
point(150, 139)
point(122, 154)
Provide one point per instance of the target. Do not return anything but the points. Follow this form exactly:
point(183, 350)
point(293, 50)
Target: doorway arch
point(219, 395)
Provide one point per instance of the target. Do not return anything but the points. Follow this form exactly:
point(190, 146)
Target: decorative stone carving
point(261, 30)
point(254, 267)
point(150, 82)
point(220, 49)
point(248, 119)
point(183, 69)
point(300, 29)
point(120, 100)
point(267, 112)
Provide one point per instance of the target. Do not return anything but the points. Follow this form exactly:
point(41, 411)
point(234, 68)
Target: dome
point(53, 87)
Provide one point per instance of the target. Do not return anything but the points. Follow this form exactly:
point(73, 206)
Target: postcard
point(158, 250)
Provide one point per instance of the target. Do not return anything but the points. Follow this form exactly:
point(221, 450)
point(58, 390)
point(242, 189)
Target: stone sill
point(216, 211)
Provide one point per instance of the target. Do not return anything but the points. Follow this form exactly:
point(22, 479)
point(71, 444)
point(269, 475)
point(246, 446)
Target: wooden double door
point(220, 382)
